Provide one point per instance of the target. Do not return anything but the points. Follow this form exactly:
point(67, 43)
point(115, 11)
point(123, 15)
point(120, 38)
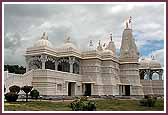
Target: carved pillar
point(148, 72)
point(43, 59)
point(160, 74)
point(71, 62)
point(27, 64)
point(56, 65)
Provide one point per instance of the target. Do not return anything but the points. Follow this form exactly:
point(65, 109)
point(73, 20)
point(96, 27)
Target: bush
point(149, 100)
point(83, 104)
point(34, 94)
point(11, 96)
point(14, 89)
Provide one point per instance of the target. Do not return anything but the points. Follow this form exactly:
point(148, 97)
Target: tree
point(15, 69)
point(26, 89)
point(14, 89)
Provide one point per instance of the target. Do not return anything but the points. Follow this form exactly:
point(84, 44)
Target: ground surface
point(101, 105)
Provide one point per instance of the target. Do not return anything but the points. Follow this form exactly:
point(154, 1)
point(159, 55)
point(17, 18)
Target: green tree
point(26, 89)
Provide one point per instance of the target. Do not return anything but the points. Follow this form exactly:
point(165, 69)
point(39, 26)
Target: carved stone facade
point(69, 71)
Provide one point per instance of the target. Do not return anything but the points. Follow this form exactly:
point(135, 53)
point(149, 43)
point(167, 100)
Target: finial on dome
point(67, 39)
point(129, 23)
point(44, 33)
point(153, 58)
point(44, 36)
point(99, 43)
point(111, 38)
point(91, 43)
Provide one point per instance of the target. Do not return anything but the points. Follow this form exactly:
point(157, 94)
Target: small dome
point(68, 44)
point(111, 45)
point(43, 41)
point(155, 64)
point(107, 52)
point(149, 63)
point(144, 63)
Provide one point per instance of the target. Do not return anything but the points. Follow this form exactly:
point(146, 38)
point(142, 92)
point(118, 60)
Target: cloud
point(12, 40)
point(81, 22)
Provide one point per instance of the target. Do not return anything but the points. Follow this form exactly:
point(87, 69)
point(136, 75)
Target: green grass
point(101, 105)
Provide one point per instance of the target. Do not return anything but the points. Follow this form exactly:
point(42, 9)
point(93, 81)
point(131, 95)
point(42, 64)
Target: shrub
point(83, 104)
point(14, 89)
point(27, 89)
point(11, 96)
point(149, 100)
point(34, 94)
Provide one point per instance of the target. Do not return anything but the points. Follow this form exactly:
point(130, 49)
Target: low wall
point(155, 87)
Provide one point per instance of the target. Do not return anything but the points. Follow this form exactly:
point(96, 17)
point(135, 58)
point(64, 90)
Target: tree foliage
point(34, 94)
point(15, 69)
point(14, 89)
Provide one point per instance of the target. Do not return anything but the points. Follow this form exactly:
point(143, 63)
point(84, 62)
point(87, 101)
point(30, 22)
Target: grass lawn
point(101, 105)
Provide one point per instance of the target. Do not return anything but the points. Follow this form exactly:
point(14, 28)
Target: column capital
point(43, 58)
point(71, 60)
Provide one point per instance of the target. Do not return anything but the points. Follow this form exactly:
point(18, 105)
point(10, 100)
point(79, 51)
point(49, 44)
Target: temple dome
point(107, 52)
point(68, 44)
point(155, 64)
point(111, 45)
point(149, 63)
point(43, 42)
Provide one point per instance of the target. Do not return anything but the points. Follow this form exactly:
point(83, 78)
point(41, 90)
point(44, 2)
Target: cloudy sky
point(25, 23)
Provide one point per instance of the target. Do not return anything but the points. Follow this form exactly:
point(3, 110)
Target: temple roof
point(149, 63)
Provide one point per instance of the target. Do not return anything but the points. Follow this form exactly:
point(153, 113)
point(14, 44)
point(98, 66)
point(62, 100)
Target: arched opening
point(64, 66)
point(155, 76)
point(142, 74)
point(35, 64)
point(50, 65)
point(76, 68)
point(146, 77)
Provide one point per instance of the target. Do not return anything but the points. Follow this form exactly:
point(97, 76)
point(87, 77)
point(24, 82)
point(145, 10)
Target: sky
point(25, 23)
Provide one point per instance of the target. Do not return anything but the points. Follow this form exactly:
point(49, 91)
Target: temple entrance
point(87, 89)
point(71, 88)
point(124, 90)
point(127, 90)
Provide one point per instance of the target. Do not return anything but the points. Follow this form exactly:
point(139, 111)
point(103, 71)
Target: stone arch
point(50, 65)
point(63, 65)
point(155, 76)
point(76, 68)
point(34, 64)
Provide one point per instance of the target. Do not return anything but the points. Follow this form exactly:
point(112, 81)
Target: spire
point(67, 39)
point(128, 50)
